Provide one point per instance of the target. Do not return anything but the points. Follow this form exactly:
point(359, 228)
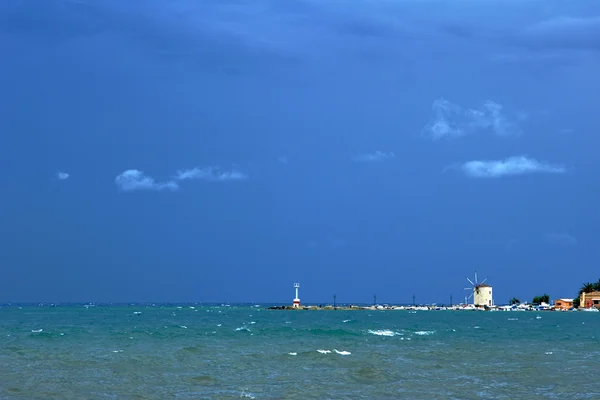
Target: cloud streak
point(563, 33)
point(377, 156)
point(133, 179)
point(561, 239)
point(511, 166)
point(210, 174)
point(451, 120)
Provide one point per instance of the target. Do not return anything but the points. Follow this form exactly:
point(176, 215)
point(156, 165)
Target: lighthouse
point(296, 303)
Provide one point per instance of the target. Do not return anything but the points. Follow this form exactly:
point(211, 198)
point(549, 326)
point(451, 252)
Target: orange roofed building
point(591, 299)
point(563, 304)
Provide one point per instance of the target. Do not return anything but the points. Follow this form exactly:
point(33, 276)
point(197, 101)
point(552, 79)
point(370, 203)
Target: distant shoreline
point(417, 308)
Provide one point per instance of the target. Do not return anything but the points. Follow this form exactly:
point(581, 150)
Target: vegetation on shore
point(541, 299)
point(587, 287)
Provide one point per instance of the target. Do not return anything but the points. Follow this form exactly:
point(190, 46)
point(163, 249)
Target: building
point(482, 295)
point(588, 300)
point(563, 304)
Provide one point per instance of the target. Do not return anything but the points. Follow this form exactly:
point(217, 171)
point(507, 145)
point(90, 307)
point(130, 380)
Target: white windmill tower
point(481, 293)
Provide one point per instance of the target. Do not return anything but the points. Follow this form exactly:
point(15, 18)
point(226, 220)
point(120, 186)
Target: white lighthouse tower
point(296, 303)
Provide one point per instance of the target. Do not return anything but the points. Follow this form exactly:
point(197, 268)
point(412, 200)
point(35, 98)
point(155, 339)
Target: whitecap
point(424, 333)
point(219, 325)
point(137, 312)
point(252, 322)
point(36, 330)
point(513, 319)
point(242, 328)
point(346, 320)
point(293, 354)
point(549, 352)
point(324, 351)
point(117, 351)
point(183, 326)
point(343, 352)
point(384, 332)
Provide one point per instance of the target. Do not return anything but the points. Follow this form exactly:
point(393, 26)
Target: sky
point(219, 151)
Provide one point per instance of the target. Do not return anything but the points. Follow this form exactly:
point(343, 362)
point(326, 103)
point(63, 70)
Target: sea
point(247, 351)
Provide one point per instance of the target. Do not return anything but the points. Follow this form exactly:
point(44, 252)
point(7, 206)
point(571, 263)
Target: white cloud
point(210, 174)
point(451, 120)
point(62, 175)
point(511, 166)
point(133, 179)
point(374, 157)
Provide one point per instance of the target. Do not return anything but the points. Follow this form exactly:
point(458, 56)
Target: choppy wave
point(384, 332)
point(424, 333)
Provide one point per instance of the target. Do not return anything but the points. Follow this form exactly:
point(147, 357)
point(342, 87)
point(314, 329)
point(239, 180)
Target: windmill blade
point(468, 288)
point(476, 277)
point(483, 281)
point(471, 295)
point(471, 282)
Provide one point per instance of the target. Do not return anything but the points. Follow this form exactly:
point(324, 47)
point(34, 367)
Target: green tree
point(576, 302)
point(587, 288)
point(596, 286)
point(514, 300)
point(541, 299)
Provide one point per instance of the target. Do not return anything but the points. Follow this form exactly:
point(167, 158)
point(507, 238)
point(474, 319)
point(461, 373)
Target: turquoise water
point(220, 352)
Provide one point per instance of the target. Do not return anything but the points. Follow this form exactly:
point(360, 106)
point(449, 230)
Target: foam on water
point(324, 351)
point(424, 333)
point(384, 332)
point(343, 352)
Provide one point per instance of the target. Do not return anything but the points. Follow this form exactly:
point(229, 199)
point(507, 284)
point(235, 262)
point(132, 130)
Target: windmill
point(475, 290)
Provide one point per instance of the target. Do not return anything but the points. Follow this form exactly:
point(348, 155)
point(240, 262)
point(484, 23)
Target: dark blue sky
point(222, 150)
